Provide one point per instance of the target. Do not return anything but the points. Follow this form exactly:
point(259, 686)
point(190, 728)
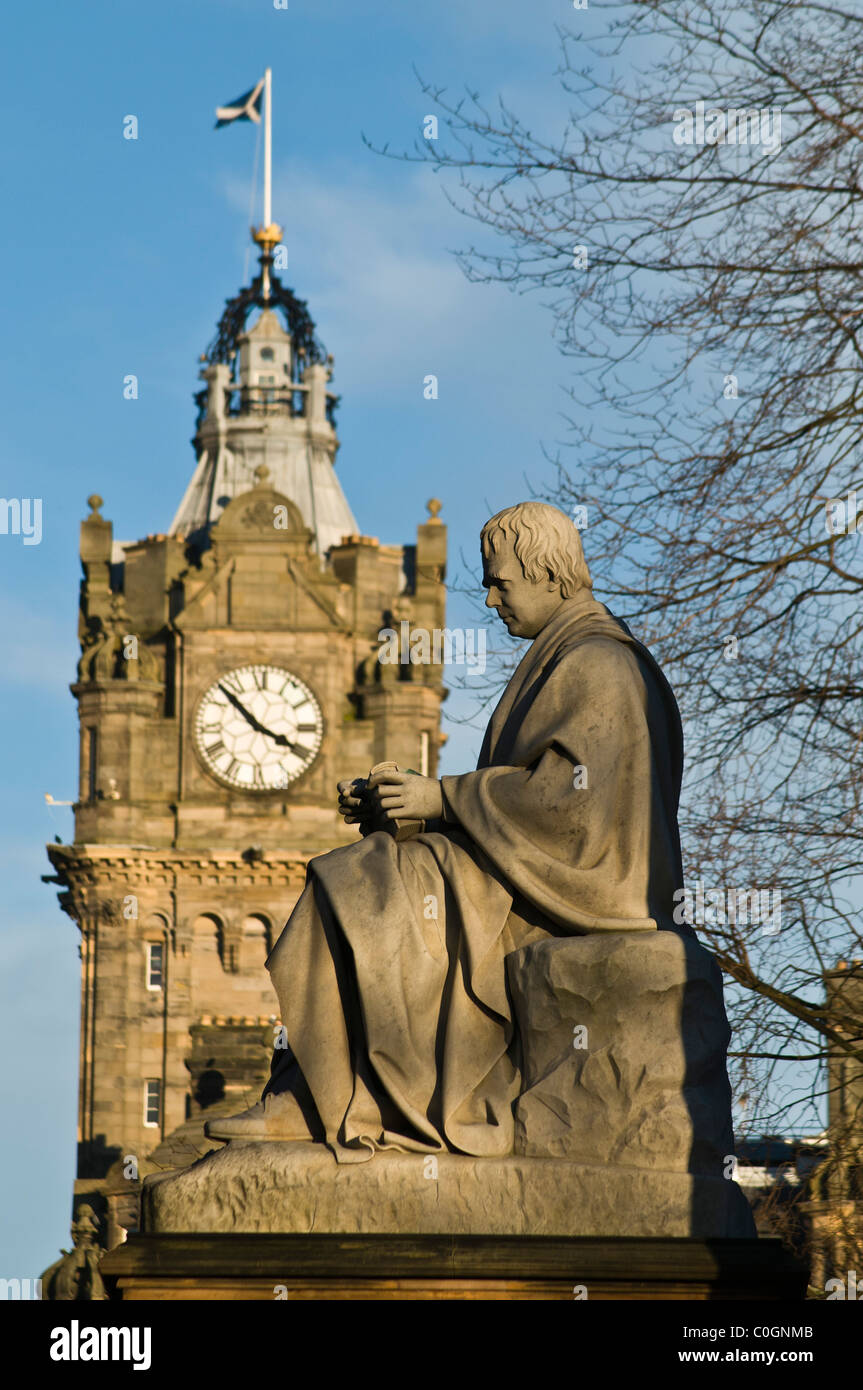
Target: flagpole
point(269, 235)
point(268, 146)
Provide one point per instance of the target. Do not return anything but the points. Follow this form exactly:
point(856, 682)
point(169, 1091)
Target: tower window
point(152, 1104)
point(155, 964)
point(268, 355)
point(267, 397)
point(424, 753)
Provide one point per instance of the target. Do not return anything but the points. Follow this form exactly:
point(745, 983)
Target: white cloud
point(383, 286)
point(373, 263)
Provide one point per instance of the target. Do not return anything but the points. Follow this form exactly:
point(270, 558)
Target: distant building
point(775, 1172)
point(809, 1191)
point(228, 679)
point(836, 1206)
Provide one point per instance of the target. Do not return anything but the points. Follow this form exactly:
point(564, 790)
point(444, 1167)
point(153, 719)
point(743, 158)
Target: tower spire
point(270, 234)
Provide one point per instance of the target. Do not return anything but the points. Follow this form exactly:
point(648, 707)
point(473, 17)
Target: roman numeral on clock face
point(247, 715)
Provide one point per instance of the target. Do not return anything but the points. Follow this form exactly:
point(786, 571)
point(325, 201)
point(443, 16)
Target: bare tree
point(695, 228)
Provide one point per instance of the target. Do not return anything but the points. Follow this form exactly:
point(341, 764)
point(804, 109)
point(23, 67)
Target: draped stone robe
point(391, 970)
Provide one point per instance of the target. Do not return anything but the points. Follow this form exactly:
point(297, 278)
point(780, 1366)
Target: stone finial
point(262, 473)
point(75, 1277)
point(433, 507)
point(95, 544)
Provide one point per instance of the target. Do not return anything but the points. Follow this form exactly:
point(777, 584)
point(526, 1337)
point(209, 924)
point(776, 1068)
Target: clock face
point(258, 728)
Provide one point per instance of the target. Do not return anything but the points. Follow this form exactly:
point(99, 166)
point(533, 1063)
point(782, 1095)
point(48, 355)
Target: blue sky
point(118, 256)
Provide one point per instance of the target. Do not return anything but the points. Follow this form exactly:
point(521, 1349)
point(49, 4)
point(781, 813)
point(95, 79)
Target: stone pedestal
point(299, 1188)
point(620, 1182)
point(414, 1267)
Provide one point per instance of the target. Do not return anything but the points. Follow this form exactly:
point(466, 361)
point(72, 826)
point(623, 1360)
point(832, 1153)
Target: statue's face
point(523, 605)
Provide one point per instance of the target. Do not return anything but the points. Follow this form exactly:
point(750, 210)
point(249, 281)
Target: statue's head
point(532, 562)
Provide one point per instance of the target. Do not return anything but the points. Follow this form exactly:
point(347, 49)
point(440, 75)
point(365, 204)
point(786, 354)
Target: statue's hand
point(406, 796)
point(354, 802)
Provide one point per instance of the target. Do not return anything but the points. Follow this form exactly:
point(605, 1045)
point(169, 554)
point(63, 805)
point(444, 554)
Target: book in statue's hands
point(399, 829)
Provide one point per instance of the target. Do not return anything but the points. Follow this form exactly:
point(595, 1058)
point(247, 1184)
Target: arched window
point(254, 945)
point(155, 932)
point(152, 1104)
point(155, 964)
point(208, 972)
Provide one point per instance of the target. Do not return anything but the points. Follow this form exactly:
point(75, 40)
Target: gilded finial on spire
point(268, 238)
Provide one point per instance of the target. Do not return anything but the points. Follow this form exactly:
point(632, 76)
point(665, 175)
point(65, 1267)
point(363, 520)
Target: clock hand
point(281, 739)
point(247, 714)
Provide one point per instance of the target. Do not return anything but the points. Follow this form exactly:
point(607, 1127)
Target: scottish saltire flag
point(245, 108)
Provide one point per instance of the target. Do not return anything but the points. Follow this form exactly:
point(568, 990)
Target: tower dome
point(266, 402)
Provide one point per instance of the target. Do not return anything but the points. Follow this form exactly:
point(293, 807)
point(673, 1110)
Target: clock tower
point(229, 677)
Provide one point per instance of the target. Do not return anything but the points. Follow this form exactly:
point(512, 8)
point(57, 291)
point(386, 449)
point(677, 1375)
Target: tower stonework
point(229, 677)
point(835, 1205)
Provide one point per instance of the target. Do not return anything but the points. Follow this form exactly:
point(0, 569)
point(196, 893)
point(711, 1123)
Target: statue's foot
point(274, 1117)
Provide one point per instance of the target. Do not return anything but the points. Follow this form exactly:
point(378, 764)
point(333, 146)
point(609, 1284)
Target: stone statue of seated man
point(391, 972)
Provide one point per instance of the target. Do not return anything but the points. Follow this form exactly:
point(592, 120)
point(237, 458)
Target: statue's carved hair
point(545, 542)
